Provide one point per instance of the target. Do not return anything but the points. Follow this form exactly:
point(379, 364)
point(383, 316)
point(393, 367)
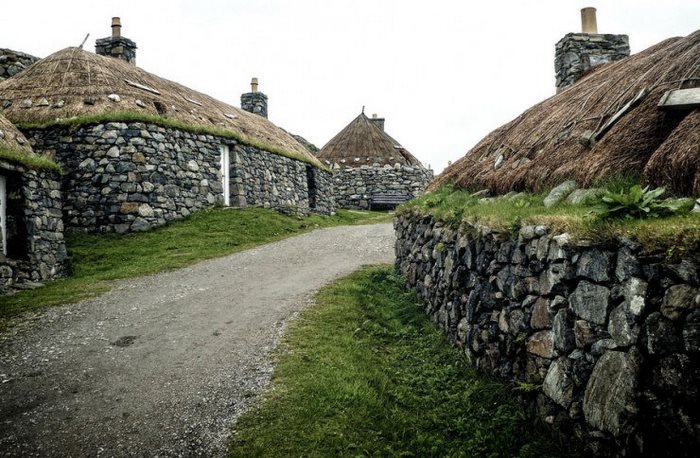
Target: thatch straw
point(76, 83)
point(363, 143)
point(542, 146)
point(15, 148)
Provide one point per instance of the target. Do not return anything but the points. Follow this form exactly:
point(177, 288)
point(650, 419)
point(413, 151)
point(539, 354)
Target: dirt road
point(162, 365)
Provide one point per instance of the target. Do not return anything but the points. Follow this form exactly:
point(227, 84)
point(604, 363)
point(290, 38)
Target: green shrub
point(638, 202)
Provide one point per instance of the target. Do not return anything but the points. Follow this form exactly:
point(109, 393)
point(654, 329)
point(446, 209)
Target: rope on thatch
point(548, 134)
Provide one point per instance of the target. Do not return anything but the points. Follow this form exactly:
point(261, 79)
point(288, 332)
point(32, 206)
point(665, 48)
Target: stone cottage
point(138, 150)
point(368, 161)
point(32, 249)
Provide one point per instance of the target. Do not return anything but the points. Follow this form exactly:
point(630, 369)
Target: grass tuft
point(674, 235)
point(97, 259)
point(29, 160)
point(133, 116)
point(364, 372)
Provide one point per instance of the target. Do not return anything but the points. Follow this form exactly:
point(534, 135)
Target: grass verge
point(674, 235)
point(133, 116)
point(98, 259)
point(363, 372)
point(29, 160)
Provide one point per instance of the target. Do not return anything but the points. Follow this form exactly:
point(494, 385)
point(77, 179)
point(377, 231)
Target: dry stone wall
point(13, 62)
point(576, 53)
point(34, 207)
point(355, 186)
point(122, 177)
point(609, 337)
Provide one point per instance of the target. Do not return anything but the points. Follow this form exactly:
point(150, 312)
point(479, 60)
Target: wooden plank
point(590, 139)
point(680, 99)
point(141, 86)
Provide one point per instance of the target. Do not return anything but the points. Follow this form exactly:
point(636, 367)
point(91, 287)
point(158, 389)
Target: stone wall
point(13, 62)
point(122, 177)
point(608, 337)
point(354, 186)
point(36, 249)
point(576, 53)
point(254, 102)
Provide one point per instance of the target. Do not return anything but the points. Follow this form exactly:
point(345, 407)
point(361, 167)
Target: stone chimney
point(577, 53)
point(379, 122)
point(116, 45)
point(254, 101)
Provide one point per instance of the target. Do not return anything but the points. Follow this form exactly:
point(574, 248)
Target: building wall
point(606, 336)
point(355, 186)
point(13, 62)
point(122, 177)
point(37, 252)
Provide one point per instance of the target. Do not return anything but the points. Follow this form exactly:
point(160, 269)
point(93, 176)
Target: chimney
point(116, 45)
point(254, 101)
point(379, 122)
point(588, 20)
point(577, 53)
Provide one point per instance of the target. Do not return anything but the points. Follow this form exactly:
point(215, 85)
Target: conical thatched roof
point(73, 82)
point(542, 147)
point(363, 143)
point(11, 138)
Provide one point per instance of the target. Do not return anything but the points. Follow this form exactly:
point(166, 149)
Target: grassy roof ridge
point(131, 116)
point(30, 160)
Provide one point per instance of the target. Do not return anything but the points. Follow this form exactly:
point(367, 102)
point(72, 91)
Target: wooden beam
point(680, 99)
point(591, 138)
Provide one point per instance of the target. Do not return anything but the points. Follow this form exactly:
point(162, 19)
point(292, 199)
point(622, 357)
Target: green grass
point(98, 259)
point(133, 116)
point(675, 235)
point(29, 160)
point(363, 372)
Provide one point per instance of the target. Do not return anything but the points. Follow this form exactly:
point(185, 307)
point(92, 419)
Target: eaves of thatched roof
point(545, 145)
point(363, 143)
point(76, 83)
point(15, 148)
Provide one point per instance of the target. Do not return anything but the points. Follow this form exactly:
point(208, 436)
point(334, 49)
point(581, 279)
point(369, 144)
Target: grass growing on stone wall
point(29, 160)
point(133, 116)
point(674, 235)
point(364, 372)
point(98, 259)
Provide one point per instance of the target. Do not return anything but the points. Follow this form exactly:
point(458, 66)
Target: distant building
point(368, 161)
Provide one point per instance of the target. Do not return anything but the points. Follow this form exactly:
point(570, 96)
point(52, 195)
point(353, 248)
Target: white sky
point(443, 73)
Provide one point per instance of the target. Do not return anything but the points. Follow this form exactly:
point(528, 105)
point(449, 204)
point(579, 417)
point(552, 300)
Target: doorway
point(225, 174)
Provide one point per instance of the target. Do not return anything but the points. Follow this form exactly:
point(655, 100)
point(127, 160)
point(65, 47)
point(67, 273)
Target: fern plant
point(638, 202)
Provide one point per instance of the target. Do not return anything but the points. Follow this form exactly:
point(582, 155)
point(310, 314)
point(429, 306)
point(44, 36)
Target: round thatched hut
point(31, 230)
point(139, 150)
point(609, 123)
point(369, 162)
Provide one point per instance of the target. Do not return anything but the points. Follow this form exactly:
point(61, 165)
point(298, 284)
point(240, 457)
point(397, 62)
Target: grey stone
point(627, 265)
point(678, 300)
point(541, 344)
point(584, 333)
point(691, 332)
point(590, 302)
point(659, 335)
point(562, 329)
point(557, 384)
point(594, 264)
point(584, 196)
point(610, 398)
point(621, 327)
point(541, 317)
point(559, 193)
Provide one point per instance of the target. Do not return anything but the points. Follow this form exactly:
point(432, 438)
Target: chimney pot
point(589, 24)
point(116, 27)
point(254, 85)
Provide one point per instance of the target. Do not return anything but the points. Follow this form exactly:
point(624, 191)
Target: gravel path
point(162, 365)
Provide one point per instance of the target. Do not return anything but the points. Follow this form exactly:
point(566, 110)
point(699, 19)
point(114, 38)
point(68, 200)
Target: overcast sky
point(442, 73)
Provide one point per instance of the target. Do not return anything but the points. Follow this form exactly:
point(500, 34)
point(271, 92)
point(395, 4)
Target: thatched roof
point(73, 82)
point(542, 147)
point(12, 139)
point(363, 143)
